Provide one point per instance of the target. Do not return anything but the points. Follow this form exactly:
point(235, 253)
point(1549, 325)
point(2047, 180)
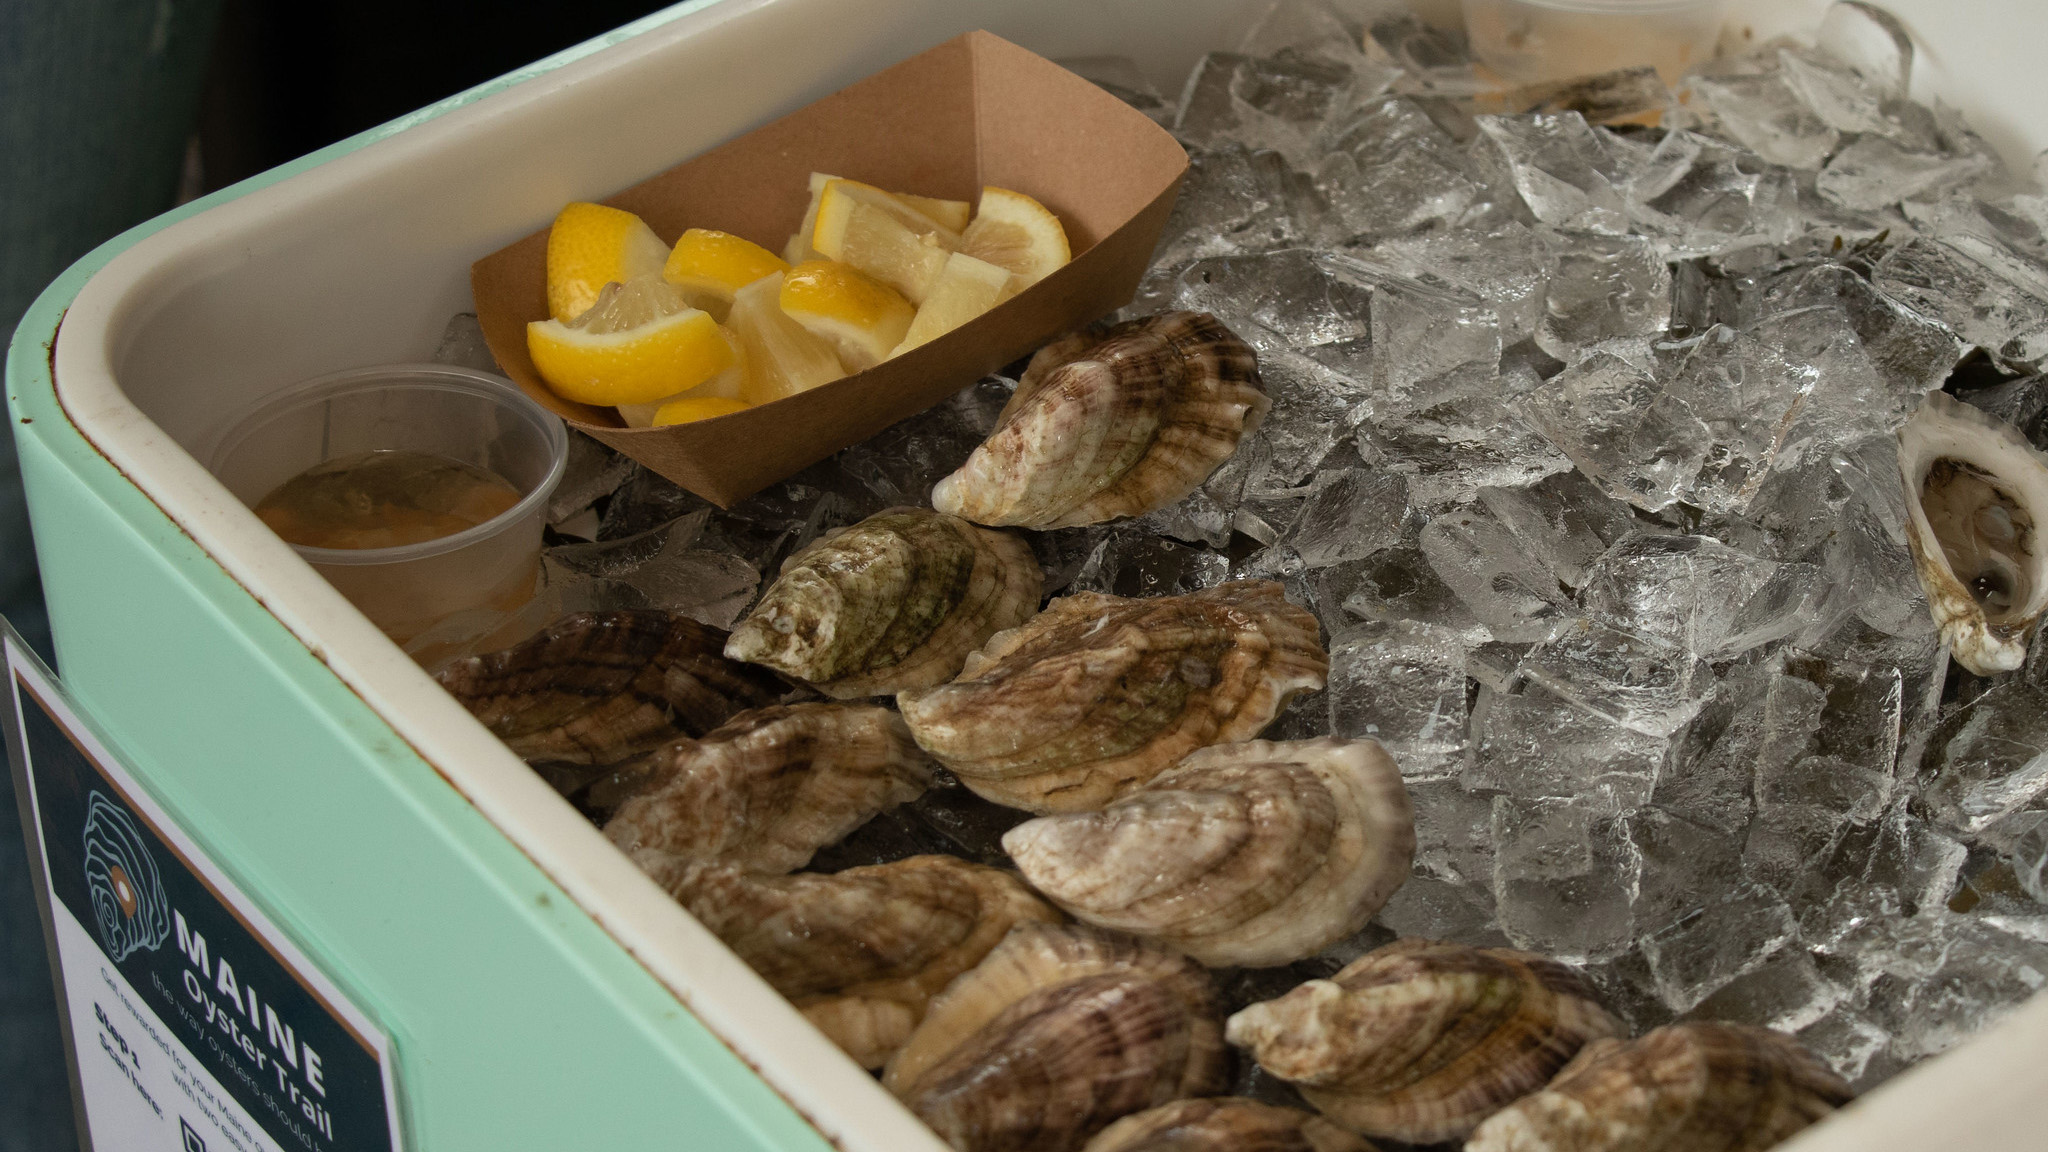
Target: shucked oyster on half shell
point(1976, 493)
point(1109, 425)
point(1058, 1032)
point(598, 687)
point(860, 952)
point(1241, 855)
point(1421, 1040)
point(1694, 1087)
point(1224, 1124)
point(894, 602)
point(1098, 694)
point(770, 787)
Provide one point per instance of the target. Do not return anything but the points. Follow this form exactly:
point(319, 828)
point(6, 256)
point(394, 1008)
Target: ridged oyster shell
point(1694, 1087)
point(894, 602)
point(1976, 493)
point(1098, 694)
point(1420, 1040)
point(1224, 1124)
point(1111, 425)
point(598, 687)
point(1241, 855)
point(860, 952)
point(1060, 1031)
point(770, 787)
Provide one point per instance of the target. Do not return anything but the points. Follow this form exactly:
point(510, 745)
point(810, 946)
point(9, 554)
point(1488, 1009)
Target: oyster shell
point(1098, 694)
point(894, 602)
point(1241, 855)
point(859, 952)
point(598, 687)
point(1060, 1031)
point(1111, 425)
point(1694, 1087)
point(1976, 492)
point(1224, 1124)
point(770, 787)
point(1421, 1040)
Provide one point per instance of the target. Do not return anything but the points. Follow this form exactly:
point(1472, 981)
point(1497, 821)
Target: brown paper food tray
point(975, 110)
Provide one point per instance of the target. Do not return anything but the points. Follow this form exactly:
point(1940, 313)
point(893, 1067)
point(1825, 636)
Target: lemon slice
point(861, 316)
point(690, 408)
point(718, 264)
point(641, 341)
point(1016, 232)
point(783, 358)
point(896, 245)
point(967, 288)
point(591, 246)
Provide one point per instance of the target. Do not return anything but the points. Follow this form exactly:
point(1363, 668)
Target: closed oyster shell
point(1242, 855)
point(598, 687)
point(1098, 694)
point(770, 787)
point(1060, 1031)
point(1976, 493)
point(1224, 1124)
point(1695, 1087)
point(894, 602)
point(860, 952)
point(1421, 1040)
point(1115, 425)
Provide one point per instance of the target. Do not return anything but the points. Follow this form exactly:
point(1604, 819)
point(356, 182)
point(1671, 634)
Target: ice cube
point(1504, 587)
point(1313, 407)
point(1565, 173)
point(1915, 860)
point(1766, 115)
point(1277, 300)
point(1836, 93)
point(1134, 562)
point(1352, 514)
point(1747, 389)
point(1439, 910)
point(1602, 288)
point(1638, 683)
point(1875, 172)
point(1509, 268)
point(1913, 354)
point(1989, 758)
point(1684, 590)
point(1564, 877)
point(1534, 745)
point(1622, 429)
point(1786, 992)
point(1450, 451)
point(1399, 584)
point(1232, 201)
point(2001, 306)
point(660, 568)
point(1389, 170)
point(1707, 777)
point(1726, 939)
point(1847, 1039)
point(1121, 77)
point(1684, 866)
point(592, 473)
point(1564, 520)
point(1431, 342)
point(1984, 974)
point(1403, 684)
point(1697, 196)
point(463, 345)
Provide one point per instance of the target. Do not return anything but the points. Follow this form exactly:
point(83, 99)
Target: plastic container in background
point(1530, 41)
point(472, 417)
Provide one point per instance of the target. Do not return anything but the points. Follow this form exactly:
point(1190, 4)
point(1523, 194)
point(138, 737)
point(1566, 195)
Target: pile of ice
point(1582, 452)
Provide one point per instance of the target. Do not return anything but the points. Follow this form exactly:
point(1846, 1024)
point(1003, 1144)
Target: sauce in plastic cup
point(437, 409)
point(1531, 41)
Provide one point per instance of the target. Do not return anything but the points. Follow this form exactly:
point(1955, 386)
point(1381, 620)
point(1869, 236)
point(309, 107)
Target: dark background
point(112, 111)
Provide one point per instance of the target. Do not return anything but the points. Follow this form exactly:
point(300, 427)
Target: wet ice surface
point(1581, 451)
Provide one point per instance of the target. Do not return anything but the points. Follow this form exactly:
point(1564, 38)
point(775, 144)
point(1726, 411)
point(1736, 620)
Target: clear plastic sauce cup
point(1530, 41)
point(466, 415)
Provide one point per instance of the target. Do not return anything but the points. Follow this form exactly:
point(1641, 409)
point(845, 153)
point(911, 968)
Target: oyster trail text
point(268, 1041)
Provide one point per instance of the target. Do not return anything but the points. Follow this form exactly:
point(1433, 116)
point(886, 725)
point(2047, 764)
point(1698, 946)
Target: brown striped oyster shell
point(1058, 1032)
point(770, 787)
point(1224, 1124)
point(894, 602)
point(860, 952)
point(599, 687)
point(1693, 1087)
point(1112, 424)
point(1420, 1041)
point(1242, 855)
point(1098, 694)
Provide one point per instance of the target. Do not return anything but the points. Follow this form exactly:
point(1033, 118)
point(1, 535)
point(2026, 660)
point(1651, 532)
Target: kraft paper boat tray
point(974, 111)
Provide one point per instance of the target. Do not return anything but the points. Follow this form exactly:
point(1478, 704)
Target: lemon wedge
point(861, 316)
point(641, 341)
point(689, 408)
point(783, 357)
point(967, 288)
point(591, 246)
point(1016, 232)
point(724, 386)
point(878, 234)
point(948, 214)
point(718, 264)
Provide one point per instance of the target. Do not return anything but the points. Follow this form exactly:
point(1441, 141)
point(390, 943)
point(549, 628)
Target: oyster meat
point(894, 602)
point(1241, 855)
point(1976, 492)
point(1112, 424)
point(1098, 694)
point(1420, 1040)
point(770, 787)
point(598, 687)
point(1224, 1124)
point(1060, 1031)
point(1693, 1087)
point(859, 952)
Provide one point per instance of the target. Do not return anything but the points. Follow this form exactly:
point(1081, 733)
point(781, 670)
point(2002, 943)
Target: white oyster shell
point(1241, 855)
point(1976, 493)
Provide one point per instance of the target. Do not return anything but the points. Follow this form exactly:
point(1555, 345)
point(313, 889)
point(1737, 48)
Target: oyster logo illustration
point(128, 897)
